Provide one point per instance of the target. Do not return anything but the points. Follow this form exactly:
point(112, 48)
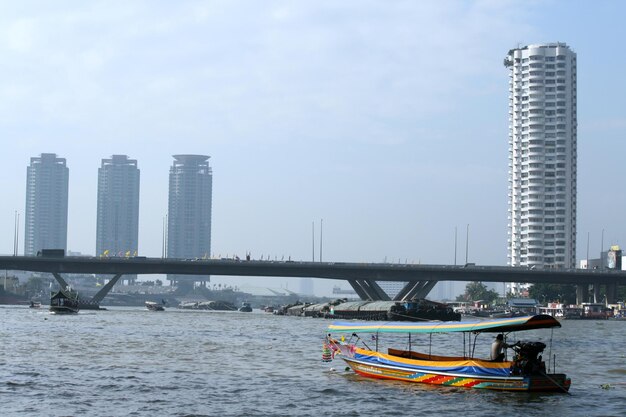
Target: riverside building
point(542, 156)
point(117, 227)
point(47, 181)
point(189, 211)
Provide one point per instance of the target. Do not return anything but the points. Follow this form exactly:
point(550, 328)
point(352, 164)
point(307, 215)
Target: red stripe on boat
point(437, 379)
point(472, 383)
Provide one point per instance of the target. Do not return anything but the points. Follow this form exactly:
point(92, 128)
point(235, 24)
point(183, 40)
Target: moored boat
point(245, 307)
point(410, 310)
point(154, 306)
point(526, 372)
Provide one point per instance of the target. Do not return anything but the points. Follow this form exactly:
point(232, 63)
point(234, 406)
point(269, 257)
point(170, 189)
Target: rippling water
point(183, 363)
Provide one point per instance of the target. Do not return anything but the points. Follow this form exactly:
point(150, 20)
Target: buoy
point(326, 353)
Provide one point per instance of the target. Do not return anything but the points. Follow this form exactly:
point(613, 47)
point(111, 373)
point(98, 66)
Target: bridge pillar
point(596, 292)
point(427, 288)
point(376, 293)
point(611, 293)
point(60, 280)
point(581, 293)
point(106, 289)
point(94, 303)
point(368, 289)
point(408, 288)
point(356, 285)
point(415, 289)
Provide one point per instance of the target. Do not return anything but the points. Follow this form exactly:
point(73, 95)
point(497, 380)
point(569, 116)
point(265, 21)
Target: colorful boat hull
point(467, 373)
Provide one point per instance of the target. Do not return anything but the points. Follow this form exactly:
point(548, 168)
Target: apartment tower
point(189, 210)
point(542, 156)
point(47, 180)
point(117, 227)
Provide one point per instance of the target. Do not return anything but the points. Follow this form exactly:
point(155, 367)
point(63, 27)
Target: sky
point(386, 119)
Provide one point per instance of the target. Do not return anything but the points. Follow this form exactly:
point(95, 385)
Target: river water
point(130, 361)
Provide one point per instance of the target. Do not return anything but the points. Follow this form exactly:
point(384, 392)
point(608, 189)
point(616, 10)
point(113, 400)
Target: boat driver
point(498, 348)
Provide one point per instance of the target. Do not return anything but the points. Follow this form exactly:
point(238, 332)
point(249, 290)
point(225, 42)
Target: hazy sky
point(388, 119)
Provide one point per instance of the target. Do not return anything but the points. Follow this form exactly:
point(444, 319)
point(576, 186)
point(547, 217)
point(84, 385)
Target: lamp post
point(466, 243)
point(313, 241)
point(321, 230)
point(587, 250)
point(455, 245)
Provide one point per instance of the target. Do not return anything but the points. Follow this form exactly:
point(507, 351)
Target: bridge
point(419, 279)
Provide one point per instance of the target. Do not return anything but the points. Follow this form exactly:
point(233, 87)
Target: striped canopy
point(493, 325)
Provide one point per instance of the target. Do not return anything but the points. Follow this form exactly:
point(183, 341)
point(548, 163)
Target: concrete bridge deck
point(362, 276)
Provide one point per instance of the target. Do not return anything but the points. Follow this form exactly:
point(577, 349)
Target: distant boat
point(64, 302)
point(245, 307)
point(208, 305)
point(153, 306)
point(217, 306)
point(35, 304)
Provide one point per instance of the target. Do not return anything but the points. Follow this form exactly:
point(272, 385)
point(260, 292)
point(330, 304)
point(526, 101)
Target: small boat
point(64, 302)
point(34, 304)
point(526, 372)
point(245, 307)
point(154, 306)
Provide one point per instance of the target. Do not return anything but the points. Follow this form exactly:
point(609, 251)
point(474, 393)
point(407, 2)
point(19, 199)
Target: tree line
point(544, 293)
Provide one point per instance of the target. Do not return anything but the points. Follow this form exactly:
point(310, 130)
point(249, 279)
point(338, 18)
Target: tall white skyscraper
point(117, 227)
point(47, 180)
point(189, 209)
point(542, 156)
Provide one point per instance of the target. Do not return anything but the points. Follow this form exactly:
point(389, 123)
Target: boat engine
point(527, 359)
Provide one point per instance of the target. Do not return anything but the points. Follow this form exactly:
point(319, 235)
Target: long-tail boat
point(525, 372)
point(64, 301)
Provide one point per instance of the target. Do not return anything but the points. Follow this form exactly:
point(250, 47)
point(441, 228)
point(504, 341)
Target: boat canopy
point(513, 324)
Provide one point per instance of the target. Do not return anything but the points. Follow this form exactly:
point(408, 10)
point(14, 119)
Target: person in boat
point(498, 348)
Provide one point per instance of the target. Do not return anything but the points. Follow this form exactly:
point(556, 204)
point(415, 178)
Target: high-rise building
point(542, 156)
point(189, 209)
point(117, 226)
point(47, 180)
